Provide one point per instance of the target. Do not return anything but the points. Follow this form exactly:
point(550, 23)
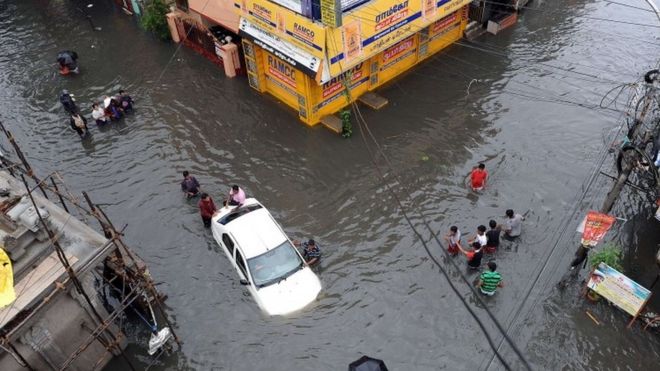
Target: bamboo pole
point(65, 262)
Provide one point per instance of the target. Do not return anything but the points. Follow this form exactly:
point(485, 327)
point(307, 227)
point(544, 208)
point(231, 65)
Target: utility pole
point(629, 157)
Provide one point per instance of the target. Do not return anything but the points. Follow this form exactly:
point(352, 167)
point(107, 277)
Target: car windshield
point(275, 265)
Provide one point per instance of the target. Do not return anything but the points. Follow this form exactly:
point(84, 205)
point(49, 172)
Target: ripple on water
point(382, 295)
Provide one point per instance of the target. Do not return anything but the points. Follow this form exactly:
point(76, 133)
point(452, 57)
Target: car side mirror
point(245, 282)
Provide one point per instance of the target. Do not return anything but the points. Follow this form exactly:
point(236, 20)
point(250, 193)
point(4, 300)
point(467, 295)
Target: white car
point(265, 259)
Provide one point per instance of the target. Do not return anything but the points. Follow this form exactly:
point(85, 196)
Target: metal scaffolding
point(121, 263)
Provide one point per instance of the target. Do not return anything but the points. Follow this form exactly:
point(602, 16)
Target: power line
point(415, 29)
point(627, 6)
point(362, 123)
point(160, 76)
point(444, 272)
point(581, 16)
point(505, 333)
point(564, 228)
point(555, 98)
point(501, 52)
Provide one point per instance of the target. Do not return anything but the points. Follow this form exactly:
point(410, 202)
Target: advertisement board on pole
point(596, 226)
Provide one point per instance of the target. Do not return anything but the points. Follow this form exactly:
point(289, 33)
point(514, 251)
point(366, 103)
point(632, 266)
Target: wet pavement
point(531, 115)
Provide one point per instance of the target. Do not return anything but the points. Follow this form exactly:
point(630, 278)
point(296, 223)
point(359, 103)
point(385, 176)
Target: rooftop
point(35, 263)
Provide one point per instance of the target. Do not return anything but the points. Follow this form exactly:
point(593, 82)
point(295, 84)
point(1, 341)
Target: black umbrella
point(367, 364)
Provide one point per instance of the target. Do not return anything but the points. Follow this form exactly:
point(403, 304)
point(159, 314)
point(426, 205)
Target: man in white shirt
point(453, 239)
point(480, 236)
point(513, 224)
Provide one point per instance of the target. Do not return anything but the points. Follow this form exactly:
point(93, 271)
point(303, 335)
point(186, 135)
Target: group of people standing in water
point(485, 240)
point(108, 109)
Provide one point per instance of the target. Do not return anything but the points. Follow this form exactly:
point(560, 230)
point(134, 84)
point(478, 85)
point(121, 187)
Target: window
point(241, 264)
point(229, 244)
point(238, 213)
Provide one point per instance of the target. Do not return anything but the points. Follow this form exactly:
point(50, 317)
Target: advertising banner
point(336, 85)
point(285, 24)
point(298, 58)
point(352, 41)
point(397, 51)
point(429, 8)
point(330, 13)
point(383, 23)
point(443, 24)
point(618, 289)
point(595, 228)
point(281, 71)
point(295, 5)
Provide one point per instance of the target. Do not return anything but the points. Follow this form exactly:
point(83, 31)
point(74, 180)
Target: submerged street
point(525, 102)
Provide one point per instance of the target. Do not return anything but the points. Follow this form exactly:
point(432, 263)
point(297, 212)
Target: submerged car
point(266, 261)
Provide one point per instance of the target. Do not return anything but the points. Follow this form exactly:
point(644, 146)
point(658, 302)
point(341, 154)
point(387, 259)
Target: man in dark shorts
point(207, 209)
point(311, 251)
point(474, 256)
point(189, 185)
point(492, 238)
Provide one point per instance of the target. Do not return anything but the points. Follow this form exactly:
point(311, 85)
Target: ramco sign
point(303, 31)
point(283, 50)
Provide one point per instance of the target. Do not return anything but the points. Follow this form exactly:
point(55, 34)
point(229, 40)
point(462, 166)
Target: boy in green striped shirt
point(490, 280)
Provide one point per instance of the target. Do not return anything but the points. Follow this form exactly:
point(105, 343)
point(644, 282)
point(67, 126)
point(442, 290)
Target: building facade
point(318, 56)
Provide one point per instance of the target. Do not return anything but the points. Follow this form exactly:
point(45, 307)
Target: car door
point(242, 266)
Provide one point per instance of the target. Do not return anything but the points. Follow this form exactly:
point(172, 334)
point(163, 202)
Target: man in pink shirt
point(236, 196)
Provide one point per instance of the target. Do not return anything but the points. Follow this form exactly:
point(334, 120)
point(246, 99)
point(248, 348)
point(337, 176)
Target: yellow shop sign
point(286, 24)
point(374, 27)
point(281, 71)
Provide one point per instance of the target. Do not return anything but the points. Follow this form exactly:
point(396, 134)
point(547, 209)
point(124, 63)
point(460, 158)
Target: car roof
point(256, 232)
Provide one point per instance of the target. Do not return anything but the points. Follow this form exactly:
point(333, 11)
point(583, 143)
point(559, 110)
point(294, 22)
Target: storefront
point(317, 70)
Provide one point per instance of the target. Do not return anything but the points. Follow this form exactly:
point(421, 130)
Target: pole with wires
point(362, 126)
point(654, 7)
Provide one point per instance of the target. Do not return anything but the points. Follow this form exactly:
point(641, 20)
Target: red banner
point(597, 224)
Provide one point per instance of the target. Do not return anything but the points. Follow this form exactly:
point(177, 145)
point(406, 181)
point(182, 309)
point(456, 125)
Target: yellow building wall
point(446, 31)
point(282, 79)
point(370, 28)
point(331, 96)
point(313, 101)
point(393, 61)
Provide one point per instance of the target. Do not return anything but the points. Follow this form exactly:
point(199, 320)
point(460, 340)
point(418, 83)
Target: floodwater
point(530, 114)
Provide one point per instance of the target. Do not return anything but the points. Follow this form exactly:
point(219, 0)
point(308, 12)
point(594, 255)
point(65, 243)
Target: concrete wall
point(219, 11)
